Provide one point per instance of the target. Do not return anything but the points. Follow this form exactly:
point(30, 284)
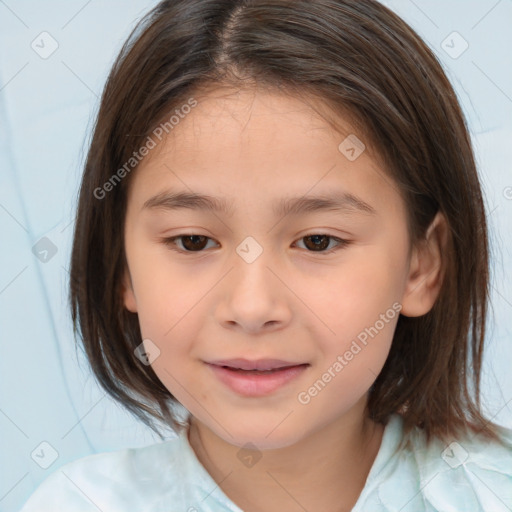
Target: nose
point(254, 297)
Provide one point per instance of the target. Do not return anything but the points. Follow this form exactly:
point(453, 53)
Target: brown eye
point(194, 242)
point(314, 243)
point(319, 242)
point(190, 243)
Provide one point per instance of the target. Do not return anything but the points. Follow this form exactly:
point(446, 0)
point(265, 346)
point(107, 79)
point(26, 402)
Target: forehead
point(244, 144)
point(254, 115)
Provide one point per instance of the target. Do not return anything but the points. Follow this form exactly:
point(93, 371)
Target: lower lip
point(251, 384)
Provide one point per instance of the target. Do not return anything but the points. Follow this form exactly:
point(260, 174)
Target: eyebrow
point(339, 202)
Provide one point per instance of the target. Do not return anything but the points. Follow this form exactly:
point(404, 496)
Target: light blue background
point(46, 112)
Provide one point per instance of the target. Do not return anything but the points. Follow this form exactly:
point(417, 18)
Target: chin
point(264, 435)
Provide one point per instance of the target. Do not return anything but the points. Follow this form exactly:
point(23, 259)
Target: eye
point(196, 243)
point(319, 242)
point(191, 243)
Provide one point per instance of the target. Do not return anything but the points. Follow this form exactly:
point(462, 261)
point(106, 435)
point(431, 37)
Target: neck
point(326, 470)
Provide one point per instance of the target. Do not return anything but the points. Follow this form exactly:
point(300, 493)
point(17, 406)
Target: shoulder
point(115, 481)
point(472, 474)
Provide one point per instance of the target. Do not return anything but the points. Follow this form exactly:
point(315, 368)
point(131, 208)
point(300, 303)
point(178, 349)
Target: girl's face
point(275, 275)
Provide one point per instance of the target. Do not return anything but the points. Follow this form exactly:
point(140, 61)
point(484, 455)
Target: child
point(281, 231)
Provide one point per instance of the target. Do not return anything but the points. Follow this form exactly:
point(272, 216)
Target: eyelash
point(170, 242)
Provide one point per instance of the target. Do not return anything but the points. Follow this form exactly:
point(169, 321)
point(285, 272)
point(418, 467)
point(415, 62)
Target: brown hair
point(359, 58)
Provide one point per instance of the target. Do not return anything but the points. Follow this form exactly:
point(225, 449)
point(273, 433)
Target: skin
point(291, 303)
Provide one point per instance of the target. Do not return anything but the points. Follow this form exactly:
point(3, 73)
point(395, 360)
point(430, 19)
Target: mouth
point(268, 376)
point(259, 365)
point(258, 372)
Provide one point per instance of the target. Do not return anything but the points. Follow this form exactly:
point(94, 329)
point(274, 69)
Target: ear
point(426, 270)
point(127, 292)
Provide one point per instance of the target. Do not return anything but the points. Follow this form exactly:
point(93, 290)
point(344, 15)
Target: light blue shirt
point(470, 475)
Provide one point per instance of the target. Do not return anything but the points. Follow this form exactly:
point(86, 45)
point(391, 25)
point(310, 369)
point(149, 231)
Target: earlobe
point(426, 272)
point(127, 291)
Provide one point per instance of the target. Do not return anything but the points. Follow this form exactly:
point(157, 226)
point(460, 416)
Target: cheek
point(164, 294)
point(351, 296)
point(169, 302)
point(350, 368)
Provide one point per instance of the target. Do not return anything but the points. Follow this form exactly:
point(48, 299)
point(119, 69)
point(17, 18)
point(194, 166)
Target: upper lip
point(259, 364)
